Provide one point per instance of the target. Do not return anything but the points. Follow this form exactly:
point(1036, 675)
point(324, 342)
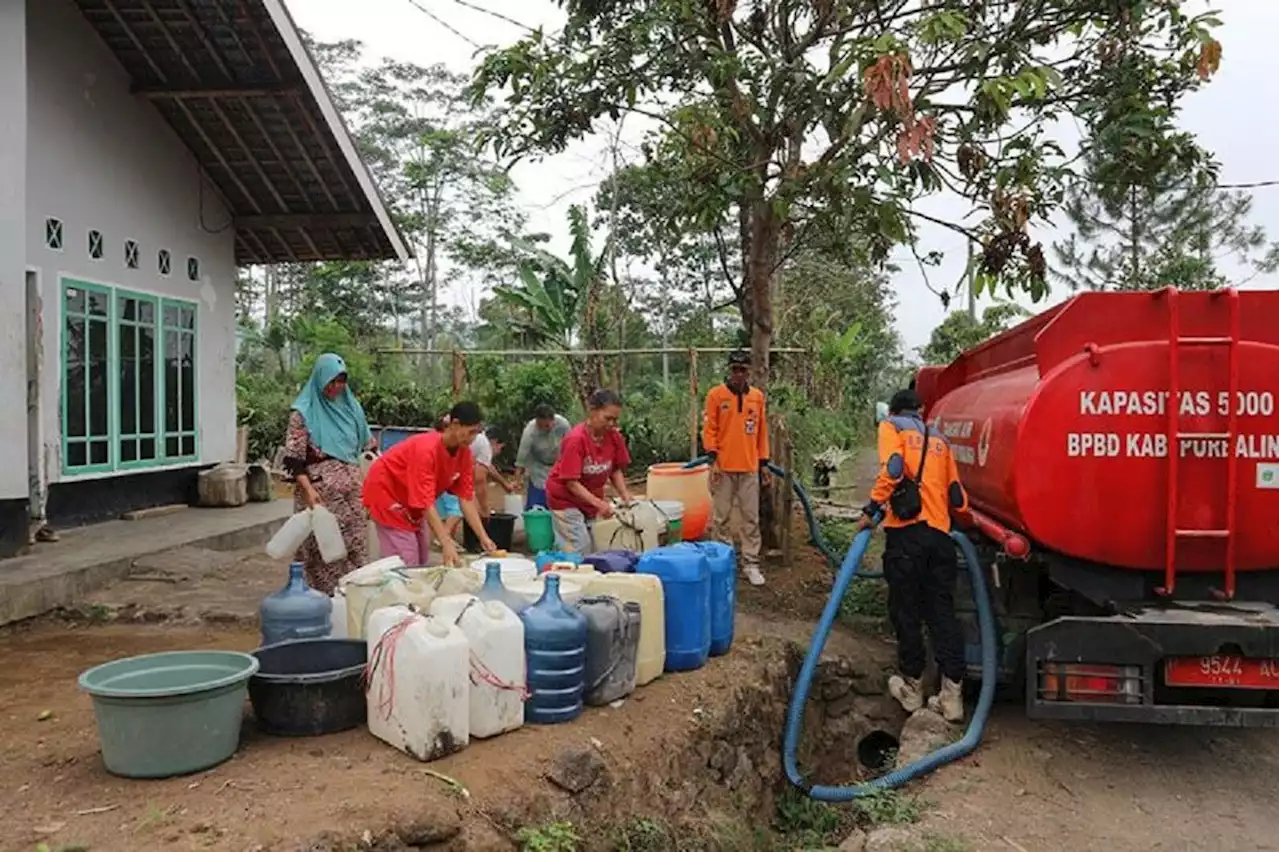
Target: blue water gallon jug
point(295, 612)
point(494, 590)
point(547, 558)
point(555, 649)
point(612, 562)
point(686, 593)
point(722, 564)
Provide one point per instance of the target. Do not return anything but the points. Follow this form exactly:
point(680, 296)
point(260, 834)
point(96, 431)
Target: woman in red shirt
point(592, 454)
point(401, 488)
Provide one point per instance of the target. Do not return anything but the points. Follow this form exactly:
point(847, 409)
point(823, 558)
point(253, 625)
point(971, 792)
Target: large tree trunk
point(760, 255)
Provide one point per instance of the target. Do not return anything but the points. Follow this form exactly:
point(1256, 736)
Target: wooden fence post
point(695, 407)
point(459, 374)
point(788, 494)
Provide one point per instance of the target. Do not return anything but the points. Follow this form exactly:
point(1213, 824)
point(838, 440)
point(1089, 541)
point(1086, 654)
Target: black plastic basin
point(308, 687)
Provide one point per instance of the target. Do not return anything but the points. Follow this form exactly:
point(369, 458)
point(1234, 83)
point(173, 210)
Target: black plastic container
point(501, 528)
point(309, 687)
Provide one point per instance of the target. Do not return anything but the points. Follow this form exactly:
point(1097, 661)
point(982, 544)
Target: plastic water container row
point(472, 667)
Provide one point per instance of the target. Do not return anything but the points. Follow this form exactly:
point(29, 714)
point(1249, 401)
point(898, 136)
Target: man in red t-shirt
point(592, 454)
point(401, 488)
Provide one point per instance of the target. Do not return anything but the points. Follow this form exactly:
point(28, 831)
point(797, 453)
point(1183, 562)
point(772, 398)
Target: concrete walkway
point(59, 573)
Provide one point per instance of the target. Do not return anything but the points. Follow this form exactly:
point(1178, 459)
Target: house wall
point(13, 360)
point(100, 158)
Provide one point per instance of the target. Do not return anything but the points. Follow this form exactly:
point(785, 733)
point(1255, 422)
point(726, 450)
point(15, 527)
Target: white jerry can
point(418, 675)
point(496, 636)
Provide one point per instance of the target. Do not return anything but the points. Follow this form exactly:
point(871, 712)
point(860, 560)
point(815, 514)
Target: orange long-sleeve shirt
point(735, 428)
point(901, 444)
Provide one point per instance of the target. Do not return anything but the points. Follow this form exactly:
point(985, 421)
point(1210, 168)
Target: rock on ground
point(889, 839)
point(576, 769)
point(856, 842)
point(924, 732)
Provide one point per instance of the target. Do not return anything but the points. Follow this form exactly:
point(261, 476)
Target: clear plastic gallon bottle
point(494, 590)
point(295, 612)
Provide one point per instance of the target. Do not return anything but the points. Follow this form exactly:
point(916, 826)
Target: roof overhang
point(236, 83)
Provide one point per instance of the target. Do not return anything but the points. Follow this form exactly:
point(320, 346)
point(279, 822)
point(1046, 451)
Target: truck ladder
point(1173, 534)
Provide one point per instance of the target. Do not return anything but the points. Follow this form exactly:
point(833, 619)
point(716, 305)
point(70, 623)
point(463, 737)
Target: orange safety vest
point(735, 429)
point(901, 444)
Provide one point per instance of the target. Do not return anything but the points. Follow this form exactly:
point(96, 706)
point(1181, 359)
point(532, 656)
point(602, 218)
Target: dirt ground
point(1031, 787)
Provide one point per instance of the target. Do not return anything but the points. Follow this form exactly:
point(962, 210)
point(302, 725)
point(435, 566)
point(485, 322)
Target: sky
point(1236, 117)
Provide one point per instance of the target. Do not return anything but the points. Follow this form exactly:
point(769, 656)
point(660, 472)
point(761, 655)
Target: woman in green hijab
point(326, 437)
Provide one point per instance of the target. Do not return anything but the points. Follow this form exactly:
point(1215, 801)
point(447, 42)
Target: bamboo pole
point(582, 353)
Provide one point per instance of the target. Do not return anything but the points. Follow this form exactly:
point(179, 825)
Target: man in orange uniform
point(916, 491)
point(736, 438)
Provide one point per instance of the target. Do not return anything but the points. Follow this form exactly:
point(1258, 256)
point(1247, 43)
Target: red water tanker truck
point(1120, 452)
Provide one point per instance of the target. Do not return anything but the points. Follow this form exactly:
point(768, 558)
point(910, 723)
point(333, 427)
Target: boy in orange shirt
point(735, 436)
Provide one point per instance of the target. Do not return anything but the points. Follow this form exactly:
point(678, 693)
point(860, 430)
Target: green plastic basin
point(171, 713)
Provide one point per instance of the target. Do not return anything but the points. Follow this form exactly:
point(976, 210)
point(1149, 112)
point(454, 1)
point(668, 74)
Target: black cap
point(739, 359)
point(904, 400)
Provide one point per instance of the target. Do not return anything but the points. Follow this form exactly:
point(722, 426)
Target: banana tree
point(554, 304)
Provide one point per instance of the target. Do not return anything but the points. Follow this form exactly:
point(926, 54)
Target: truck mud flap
point(1116, 666)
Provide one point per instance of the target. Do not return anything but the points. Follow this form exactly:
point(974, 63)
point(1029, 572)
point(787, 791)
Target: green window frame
point(87, 381)
point(137, 380)
point(129, 379)
point(180, 395)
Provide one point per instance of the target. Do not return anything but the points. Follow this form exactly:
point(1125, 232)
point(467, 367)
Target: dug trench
point(702, 771)
point(690, 761)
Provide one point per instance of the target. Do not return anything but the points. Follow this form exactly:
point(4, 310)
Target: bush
point(656, 428)
point(262, 404)
point(508, 393)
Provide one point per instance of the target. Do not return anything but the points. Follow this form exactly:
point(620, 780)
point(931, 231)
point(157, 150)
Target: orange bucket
point(692, 487)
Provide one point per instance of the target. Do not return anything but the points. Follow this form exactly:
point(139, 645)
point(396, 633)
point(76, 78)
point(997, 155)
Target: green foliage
point(656, 428)
point(642, 834)
point(551, 837)
point(808, 823)
point(509, 392)
point(889, 807)
point(897, 107)
point(959, 332)
point(1174, 232)
point(1147, 213)
point(550, 299)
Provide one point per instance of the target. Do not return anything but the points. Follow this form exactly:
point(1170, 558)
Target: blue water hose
point(928, 763)
point(815, 531)
point(846, 575)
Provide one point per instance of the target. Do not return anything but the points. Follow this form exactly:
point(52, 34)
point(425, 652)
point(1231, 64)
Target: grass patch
point(888, 807)
point(867, 599)
point(642, 834)
point(807, 824)
point(551, 837)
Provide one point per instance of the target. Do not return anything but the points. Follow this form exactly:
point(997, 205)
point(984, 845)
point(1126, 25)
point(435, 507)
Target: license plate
point(1222, 670)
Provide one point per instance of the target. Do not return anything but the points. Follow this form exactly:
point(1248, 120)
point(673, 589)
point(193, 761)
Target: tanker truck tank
point(1126, 445)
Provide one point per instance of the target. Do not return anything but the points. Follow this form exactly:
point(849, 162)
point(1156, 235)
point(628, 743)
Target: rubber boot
point(908, 692)
point(949, 701)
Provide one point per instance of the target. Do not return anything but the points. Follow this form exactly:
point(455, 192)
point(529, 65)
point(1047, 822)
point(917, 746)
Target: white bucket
point(670, 510)
point(513, 568)
point(513, 504)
